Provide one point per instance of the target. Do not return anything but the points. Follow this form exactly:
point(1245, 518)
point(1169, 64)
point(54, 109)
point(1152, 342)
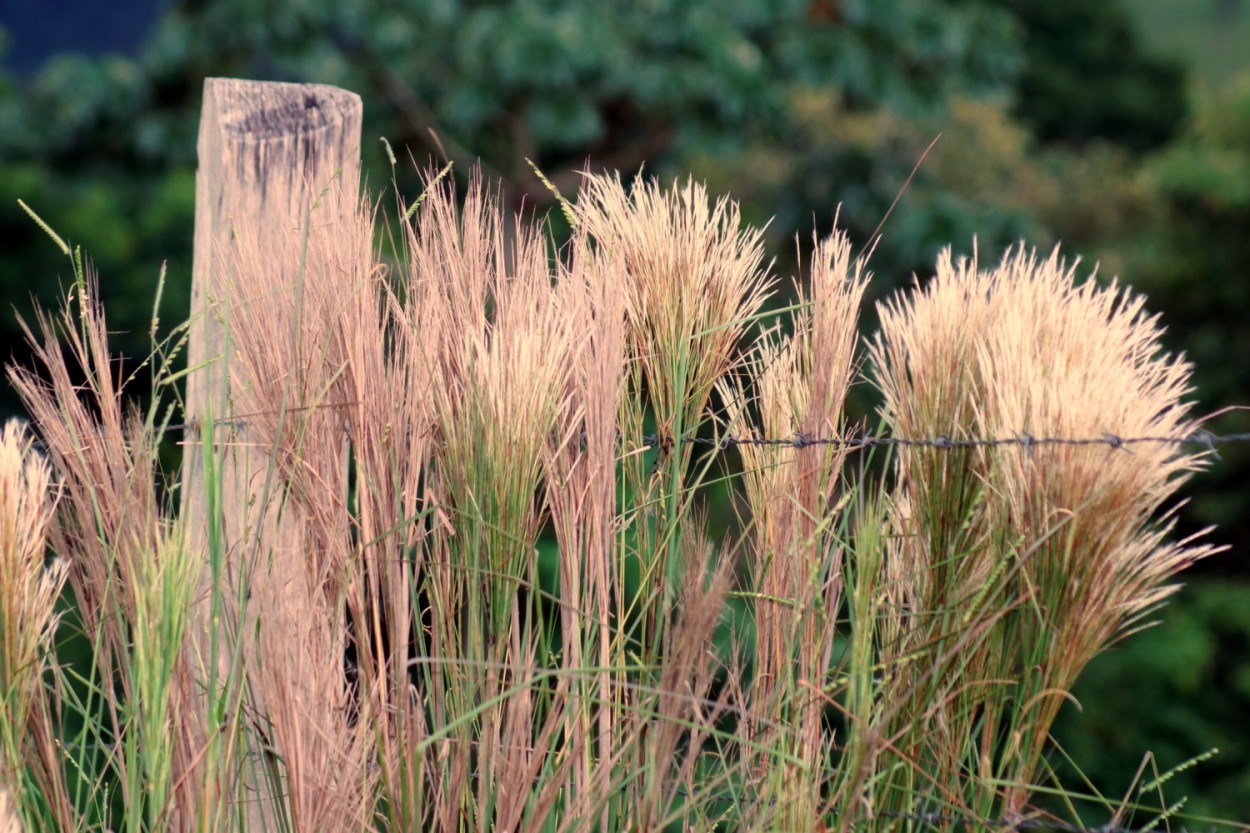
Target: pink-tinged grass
point(367, 635)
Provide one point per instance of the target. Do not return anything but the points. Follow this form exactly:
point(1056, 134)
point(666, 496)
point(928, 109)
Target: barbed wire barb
point(859, 441)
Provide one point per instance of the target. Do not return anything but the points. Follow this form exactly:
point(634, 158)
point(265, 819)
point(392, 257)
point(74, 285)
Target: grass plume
point(1017, 565)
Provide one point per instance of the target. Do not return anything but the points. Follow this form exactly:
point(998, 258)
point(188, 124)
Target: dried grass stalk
point(29, 589)
point(798, 388)
point(1018, 565)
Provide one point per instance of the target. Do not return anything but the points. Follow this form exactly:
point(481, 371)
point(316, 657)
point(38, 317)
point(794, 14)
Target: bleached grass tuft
point(29, 587)
point(1012, 567)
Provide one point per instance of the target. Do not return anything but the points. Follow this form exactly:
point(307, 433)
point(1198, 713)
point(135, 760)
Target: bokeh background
point(1120, 130)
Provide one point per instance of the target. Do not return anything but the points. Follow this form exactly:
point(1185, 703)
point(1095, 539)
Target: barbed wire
point(1207, 440)
point(941, 820)
point(865, 440)
point(1033, 824)
point(862, 440)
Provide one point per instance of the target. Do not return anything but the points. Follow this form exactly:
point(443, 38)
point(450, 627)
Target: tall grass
point(472, 594)
point(1017, 565)
point(28, 593)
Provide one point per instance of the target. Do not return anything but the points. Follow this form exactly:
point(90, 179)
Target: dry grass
point(1013, 567)
point(28, 594)
point(800, 385)
point(111, 531)
point(371, 637)
point(298, 304)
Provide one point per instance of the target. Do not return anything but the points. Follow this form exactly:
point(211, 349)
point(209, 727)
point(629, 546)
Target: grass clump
point(1013, 566)
point(367, 635)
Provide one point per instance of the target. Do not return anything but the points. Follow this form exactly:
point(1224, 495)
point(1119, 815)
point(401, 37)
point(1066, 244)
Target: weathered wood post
point(266, 150)
point(267, 153)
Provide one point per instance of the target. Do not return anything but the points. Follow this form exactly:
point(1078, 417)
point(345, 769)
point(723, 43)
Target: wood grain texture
point(267, 152)
point(275, 160)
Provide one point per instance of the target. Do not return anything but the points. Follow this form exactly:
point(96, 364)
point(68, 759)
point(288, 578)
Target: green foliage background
point(1056, 123)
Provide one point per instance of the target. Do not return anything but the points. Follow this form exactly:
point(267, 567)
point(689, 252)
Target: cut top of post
point(282, 140)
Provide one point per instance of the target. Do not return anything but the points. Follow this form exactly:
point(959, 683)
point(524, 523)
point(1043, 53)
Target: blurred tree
point(1190, 261)
point(620, 83)
point(104, 148)
point(1086, 76)
point(1228, 11)
point(977, 182)
point(1181, 684)
point(72, 147)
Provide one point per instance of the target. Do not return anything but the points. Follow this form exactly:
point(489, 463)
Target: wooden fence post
point(266, 150)
point(267, 153)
